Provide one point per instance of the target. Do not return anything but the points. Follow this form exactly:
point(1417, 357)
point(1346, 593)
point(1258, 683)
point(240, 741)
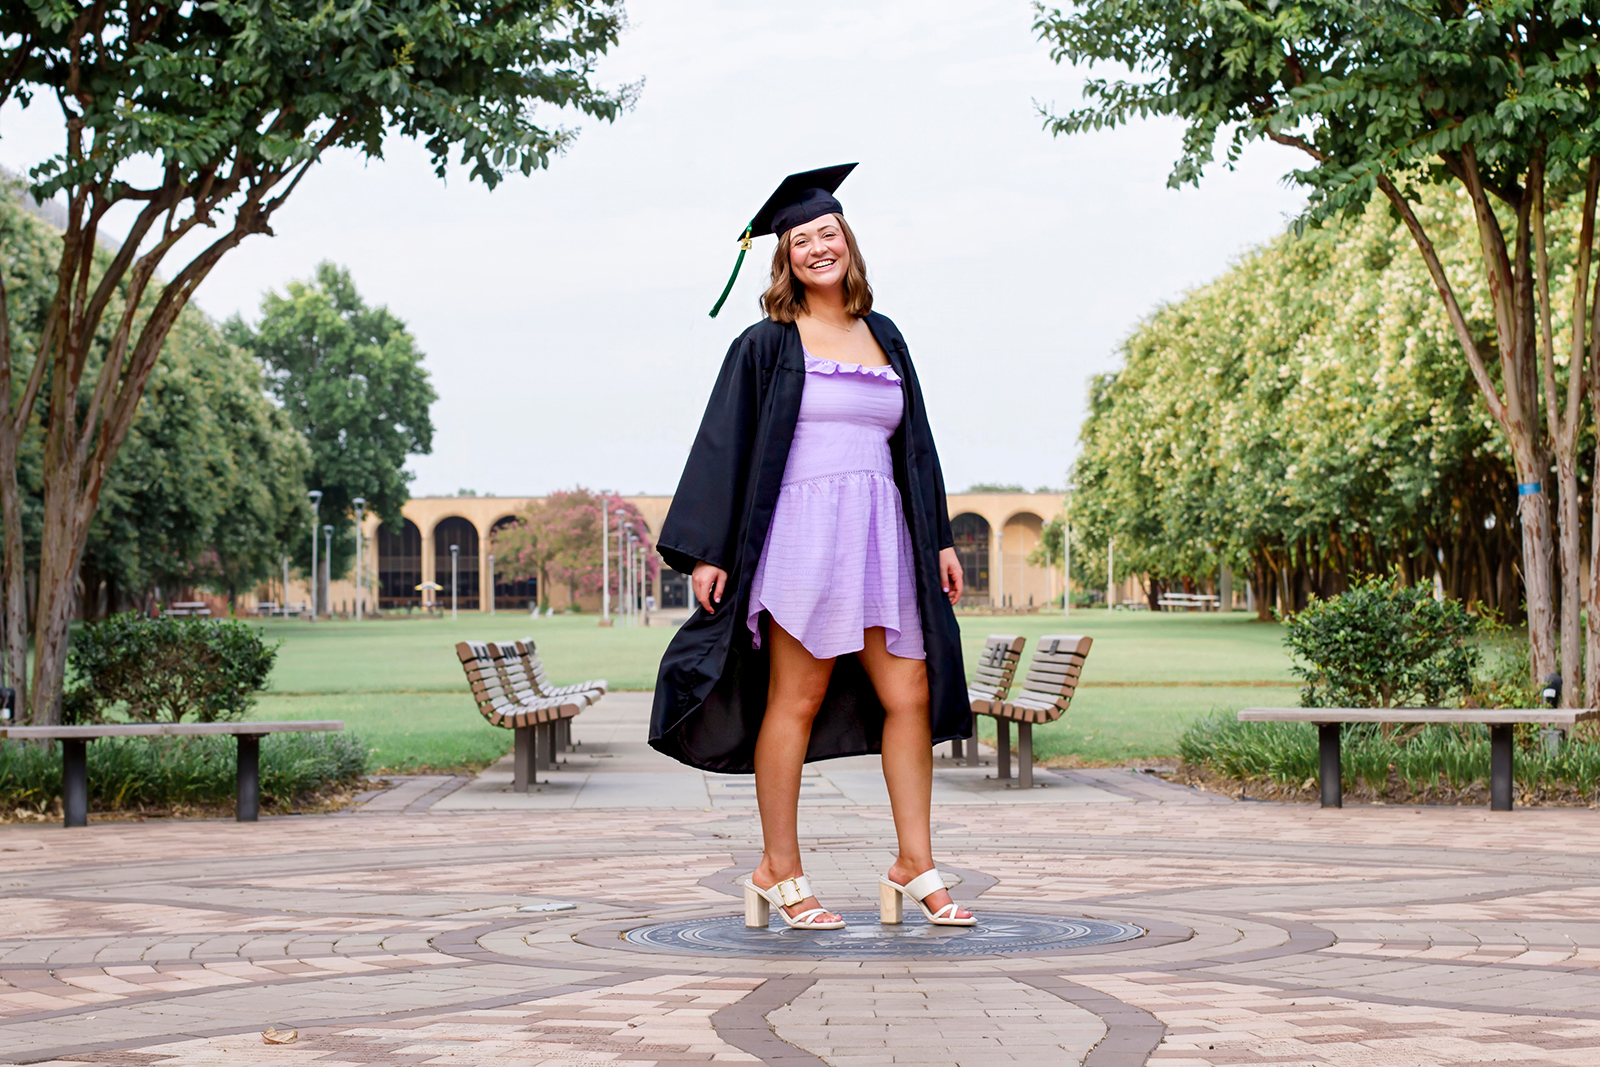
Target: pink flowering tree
point(558, 538)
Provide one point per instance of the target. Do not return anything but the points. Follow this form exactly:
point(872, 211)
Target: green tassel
point(744, 246)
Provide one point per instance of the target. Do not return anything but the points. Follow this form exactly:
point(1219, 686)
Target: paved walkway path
point(401, 932)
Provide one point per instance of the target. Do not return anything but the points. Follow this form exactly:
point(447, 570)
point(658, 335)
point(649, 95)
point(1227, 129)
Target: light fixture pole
point(360, 502)
point(605, 563)
point(1066, 566)
point(316, 502)
point(327, 561)
point(455, 557)
point(491, 583)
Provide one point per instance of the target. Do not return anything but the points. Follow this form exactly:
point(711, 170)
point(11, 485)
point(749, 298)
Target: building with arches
point(995, 534)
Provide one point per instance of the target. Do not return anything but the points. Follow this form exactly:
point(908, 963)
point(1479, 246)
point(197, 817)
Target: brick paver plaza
point(393, 933)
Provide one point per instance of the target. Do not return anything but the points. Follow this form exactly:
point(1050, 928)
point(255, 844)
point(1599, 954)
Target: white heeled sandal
point(758, 905)
point(891, 896)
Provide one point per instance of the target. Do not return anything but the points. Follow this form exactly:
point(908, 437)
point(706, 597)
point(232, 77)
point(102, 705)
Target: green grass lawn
point(398, 683)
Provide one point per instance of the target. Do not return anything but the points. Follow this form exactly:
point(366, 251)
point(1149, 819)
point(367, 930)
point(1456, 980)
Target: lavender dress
point(837, 559)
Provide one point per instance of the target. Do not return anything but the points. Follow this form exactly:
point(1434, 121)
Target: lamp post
point(455, 557)
point(491, 583)
point(327, 561)
point(605, 564)
point(316, 502)
point(360, 502)
point(1066, 566)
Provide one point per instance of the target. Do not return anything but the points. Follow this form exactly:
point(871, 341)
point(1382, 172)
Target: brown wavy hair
point(785, 298)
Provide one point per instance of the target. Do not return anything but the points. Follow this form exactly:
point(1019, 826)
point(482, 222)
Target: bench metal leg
point(1025, 755)
point(563, 735)
point(75, 781)
point(247, 778)
point(522, 770)
point(972, 744)
point(1002, 747)
point(955, 749)
point(1500, 767)
point(1331, 769)
point(545, 746)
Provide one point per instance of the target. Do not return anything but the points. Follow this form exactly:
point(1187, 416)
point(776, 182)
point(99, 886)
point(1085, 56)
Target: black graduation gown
point(711, 691)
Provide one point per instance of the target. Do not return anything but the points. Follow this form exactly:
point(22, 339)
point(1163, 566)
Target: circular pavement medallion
point(997, 934)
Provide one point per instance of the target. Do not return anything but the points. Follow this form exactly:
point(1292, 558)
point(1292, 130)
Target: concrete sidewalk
point(614, 767)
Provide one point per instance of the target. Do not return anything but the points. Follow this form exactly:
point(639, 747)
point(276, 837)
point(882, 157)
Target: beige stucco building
point(995, 534)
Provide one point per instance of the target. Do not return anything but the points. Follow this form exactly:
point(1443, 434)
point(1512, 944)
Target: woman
point(811, 517)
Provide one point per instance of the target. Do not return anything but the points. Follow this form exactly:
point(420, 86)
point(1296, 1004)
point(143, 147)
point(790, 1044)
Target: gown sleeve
point(707, 510)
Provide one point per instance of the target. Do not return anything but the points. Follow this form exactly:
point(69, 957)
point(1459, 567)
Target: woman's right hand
point(708, 582)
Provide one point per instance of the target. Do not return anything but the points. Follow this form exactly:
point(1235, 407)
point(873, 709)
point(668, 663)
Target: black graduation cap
point(798, 199)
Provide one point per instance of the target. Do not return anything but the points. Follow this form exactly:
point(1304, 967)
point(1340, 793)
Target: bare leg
point(902, 688)
point(795, 690)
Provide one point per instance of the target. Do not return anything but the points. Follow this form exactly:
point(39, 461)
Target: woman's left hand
point(950, 574)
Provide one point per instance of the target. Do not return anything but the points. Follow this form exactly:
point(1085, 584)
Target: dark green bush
point(158, 772)
point(1383, 644)
point(163, 669)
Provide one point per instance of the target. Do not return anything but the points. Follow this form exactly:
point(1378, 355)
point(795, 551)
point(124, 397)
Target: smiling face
point(819, 255)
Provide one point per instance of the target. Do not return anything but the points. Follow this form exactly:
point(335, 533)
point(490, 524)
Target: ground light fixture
point(316, 503)
point(360, 502)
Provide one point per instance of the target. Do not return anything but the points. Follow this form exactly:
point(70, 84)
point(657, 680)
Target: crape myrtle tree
point(1306, 418)
point(210, 477)
point(350, 380)
point(1384, 97)
point(199, 120)
point(558, 538)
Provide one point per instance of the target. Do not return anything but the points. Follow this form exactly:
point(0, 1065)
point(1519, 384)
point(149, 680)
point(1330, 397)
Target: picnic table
point(1330, 723)
point(75, 755)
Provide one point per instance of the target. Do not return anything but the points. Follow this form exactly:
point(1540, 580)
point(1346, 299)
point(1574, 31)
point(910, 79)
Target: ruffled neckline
point(818, 365)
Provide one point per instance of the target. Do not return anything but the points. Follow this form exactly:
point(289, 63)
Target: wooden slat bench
point(75, 756)
point(1046, 693)
point(991, 680)
point(1190, 601)
point(1330, 723)
point(189, 607)
point(507, 695)
point(592, 690)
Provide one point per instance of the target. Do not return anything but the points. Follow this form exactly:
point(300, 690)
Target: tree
point(1305, 418)
point(201, 119)
point(208, 484)
point(559, 538)
point(209, 475)
point(351, 381)
point(1500, 100)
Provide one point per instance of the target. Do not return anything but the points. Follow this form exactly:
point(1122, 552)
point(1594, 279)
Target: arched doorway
point(399, 565)
point(1023, 583)
point(972, 550)
point(456, 531)
point(521, 594)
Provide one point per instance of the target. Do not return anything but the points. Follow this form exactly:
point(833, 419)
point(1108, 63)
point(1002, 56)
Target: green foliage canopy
point(350, 379)
point(1304, 418)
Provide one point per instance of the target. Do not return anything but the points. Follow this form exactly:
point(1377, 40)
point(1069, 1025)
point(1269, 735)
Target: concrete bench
point(512, 692)
point(1046, 693)
point(991, 680)
point(75, 755)
point(1330, 722)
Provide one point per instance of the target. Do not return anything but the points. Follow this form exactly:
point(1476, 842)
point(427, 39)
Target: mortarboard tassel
point(744, 246)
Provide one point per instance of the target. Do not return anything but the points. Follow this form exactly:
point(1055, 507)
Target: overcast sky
point(564, 315)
